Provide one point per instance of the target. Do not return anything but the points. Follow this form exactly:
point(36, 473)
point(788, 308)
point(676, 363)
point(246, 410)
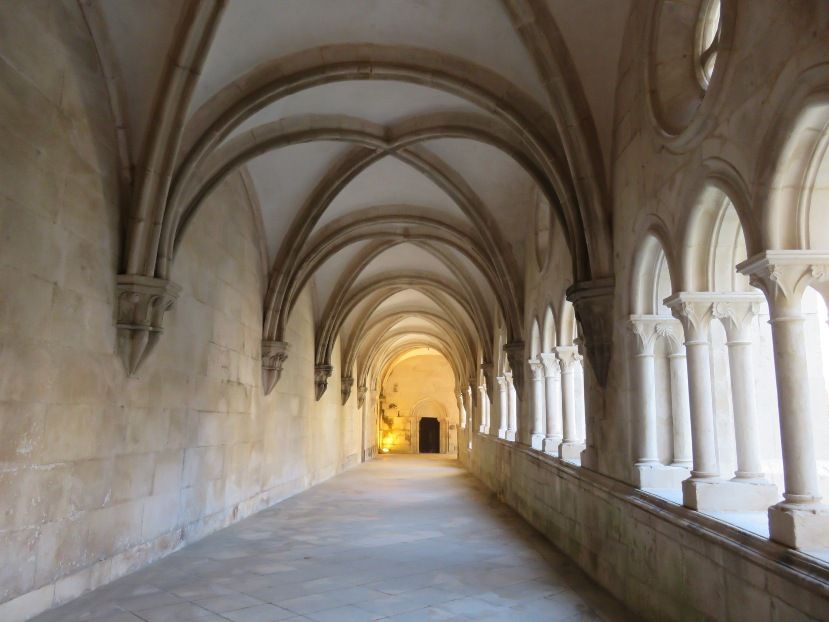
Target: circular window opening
point(709, 27)
point(686, 43)
point(543, 223)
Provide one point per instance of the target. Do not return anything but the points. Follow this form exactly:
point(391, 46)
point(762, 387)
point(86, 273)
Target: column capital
point(736, 312)
point(361, 395)
point(552, 368)
point(646, 330)
point(783, 276)
point(567, 357)
point(537, 368)
point(274, 355)
point(502, 382)
point(694, 311)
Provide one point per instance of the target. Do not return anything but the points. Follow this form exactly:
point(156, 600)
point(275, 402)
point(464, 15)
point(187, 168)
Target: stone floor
point(400, 538)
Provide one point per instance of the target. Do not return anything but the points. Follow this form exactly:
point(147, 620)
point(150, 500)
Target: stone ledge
point(800, 568)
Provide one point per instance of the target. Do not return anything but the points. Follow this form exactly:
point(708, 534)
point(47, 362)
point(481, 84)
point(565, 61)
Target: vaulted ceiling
point(395, 148)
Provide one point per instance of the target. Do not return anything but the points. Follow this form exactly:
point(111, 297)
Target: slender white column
point(503, 406)
point(643, 404)
point(483, 409)
point(737, 317)
point(694, 312)
point(461, 411)
point(537, 430)
point(680, 407)
point(571, 445)
point(800, 520)
point(578, 390)
point(512, 409)
point(552, 391)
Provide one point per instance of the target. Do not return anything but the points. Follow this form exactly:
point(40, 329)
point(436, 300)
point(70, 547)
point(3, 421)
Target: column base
point(800, 526)
point(483, 429)
point(656, 475)
point(537, 441)
point(718, 495)
point(550, 445)
point(590, 458)
point(510, 435)
point(570, 451)
point(502, 434)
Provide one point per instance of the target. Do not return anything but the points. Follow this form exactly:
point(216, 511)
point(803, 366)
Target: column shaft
point(794, 405)
point(746, 433)
point(680, 409)
point(645, 440)
point(702, 411)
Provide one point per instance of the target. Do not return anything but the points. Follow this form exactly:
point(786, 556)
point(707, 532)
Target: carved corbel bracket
point(515, 356)
point(321, 375)
point(346, 382)
point(142, 303)
point(593, 304)
point(361, 395)
point(274, 355)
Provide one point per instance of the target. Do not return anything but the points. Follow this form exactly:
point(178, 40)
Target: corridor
point(401, 538)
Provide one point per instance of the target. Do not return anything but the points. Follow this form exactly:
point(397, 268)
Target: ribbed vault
point(391, 157)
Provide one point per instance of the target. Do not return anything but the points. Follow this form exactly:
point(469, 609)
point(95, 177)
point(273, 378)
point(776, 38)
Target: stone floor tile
point(408, 537)
point(347, 613)
point(229, 602)
point(259, 613)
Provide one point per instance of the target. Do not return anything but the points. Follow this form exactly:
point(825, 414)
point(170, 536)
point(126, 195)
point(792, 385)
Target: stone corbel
point(593, 304)
point(346, 382)
point(515, 356)
point(321, 375)
point(361, 395)
point(142, 303)
point(274, 355)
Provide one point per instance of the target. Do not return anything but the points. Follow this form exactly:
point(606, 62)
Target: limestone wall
point(664, 561)
point(420, 386)
point(101, 473)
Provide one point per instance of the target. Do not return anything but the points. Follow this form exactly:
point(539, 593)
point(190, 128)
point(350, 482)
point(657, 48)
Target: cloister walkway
point(400, 538)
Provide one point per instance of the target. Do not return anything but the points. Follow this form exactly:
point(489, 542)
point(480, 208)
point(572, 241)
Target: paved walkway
point(401, 538)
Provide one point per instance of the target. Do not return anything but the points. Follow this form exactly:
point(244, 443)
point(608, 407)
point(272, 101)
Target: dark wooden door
point(429, 435)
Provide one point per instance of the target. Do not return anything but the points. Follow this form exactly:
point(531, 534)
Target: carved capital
point(515, 356)
point(593, 304)
point(694, 311)
point(647, 330)
point(346, 382)
point(537, 369)
point(361, 395)
point(503, 384)
point(142, 303)
point(274, 355)
point(567, 357)
point(322, 373)
point(552, 369)
point(736, 314)
point(783, 276)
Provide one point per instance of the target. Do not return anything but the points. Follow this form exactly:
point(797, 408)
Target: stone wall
point(420, 386)
point(666, 562)
point(110, 472)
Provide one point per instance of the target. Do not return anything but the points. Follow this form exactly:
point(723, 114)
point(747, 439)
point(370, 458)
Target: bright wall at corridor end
point(100, 473)
point(420, 386)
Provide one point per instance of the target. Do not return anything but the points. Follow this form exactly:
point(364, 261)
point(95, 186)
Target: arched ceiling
point(396, 149)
